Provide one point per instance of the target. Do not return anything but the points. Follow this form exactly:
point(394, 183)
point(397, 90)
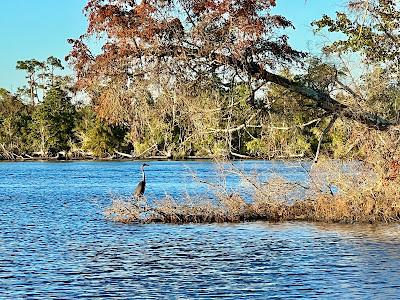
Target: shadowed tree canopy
point(192, 42)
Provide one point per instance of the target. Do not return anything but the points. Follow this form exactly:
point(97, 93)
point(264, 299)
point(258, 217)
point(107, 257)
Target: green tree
point(41, 76)
point(32, 68)
point(52, 64)
point(53, 122)
point(96, 136)
point(14, 125)
point(370, 27)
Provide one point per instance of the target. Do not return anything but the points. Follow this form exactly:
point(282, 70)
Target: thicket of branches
point(211, 79)
point(212, 122)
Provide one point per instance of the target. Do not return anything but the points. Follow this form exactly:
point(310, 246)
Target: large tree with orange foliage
point(191, 42)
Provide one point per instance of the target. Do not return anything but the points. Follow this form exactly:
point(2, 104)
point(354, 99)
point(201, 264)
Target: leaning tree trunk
point(323, 100)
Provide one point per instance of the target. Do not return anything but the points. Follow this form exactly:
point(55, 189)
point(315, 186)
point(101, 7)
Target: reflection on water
point(367, 232)
point(54, 242)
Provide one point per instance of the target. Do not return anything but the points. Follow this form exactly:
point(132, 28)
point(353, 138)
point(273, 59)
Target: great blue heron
point(139, 191)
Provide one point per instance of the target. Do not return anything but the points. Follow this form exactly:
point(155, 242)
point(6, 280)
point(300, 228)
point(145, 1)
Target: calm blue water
point(55, 242)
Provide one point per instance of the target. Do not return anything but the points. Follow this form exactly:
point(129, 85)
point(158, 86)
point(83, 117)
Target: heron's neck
point(143, 176)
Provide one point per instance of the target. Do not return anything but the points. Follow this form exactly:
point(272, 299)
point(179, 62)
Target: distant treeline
point(45, 119)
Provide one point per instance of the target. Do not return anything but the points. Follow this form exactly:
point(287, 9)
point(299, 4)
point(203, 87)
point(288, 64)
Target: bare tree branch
point(326, 130)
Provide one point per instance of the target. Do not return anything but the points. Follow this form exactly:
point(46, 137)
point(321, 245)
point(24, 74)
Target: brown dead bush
point(335, 191)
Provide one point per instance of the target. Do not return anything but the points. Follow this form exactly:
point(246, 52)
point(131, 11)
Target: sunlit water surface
point(55, 242)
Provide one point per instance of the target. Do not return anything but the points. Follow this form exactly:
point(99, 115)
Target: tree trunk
point(323, 100)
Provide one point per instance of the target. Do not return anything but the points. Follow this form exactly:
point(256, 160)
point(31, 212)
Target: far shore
point(54, 159)
point(155, 158)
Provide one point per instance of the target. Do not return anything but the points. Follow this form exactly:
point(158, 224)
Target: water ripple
point(54, 243)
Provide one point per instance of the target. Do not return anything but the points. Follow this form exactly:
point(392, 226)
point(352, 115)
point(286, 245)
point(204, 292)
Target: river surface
point(56, 243)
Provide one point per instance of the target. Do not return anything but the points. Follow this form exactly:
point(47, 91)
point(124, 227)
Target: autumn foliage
point(170, 42)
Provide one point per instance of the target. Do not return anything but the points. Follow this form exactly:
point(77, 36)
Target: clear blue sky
point(40, 28)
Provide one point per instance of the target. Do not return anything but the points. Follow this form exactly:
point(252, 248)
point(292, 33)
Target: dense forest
point(45, 118)
point(182, 79)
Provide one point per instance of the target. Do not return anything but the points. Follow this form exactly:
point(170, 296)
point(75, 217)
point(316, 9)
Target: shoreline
point(55, 159)
point(152, 158)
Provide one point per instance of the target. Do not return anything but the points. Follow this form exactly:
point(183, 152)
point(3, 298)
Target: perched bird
point(139, 191)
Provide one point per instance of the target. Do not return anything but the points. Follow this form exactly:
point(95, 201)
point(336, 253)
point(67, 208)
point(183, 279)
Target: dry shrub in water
point(335, 192)
point(348, 192)
point(125, 210)
point(168, 210)
point(357, 193)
